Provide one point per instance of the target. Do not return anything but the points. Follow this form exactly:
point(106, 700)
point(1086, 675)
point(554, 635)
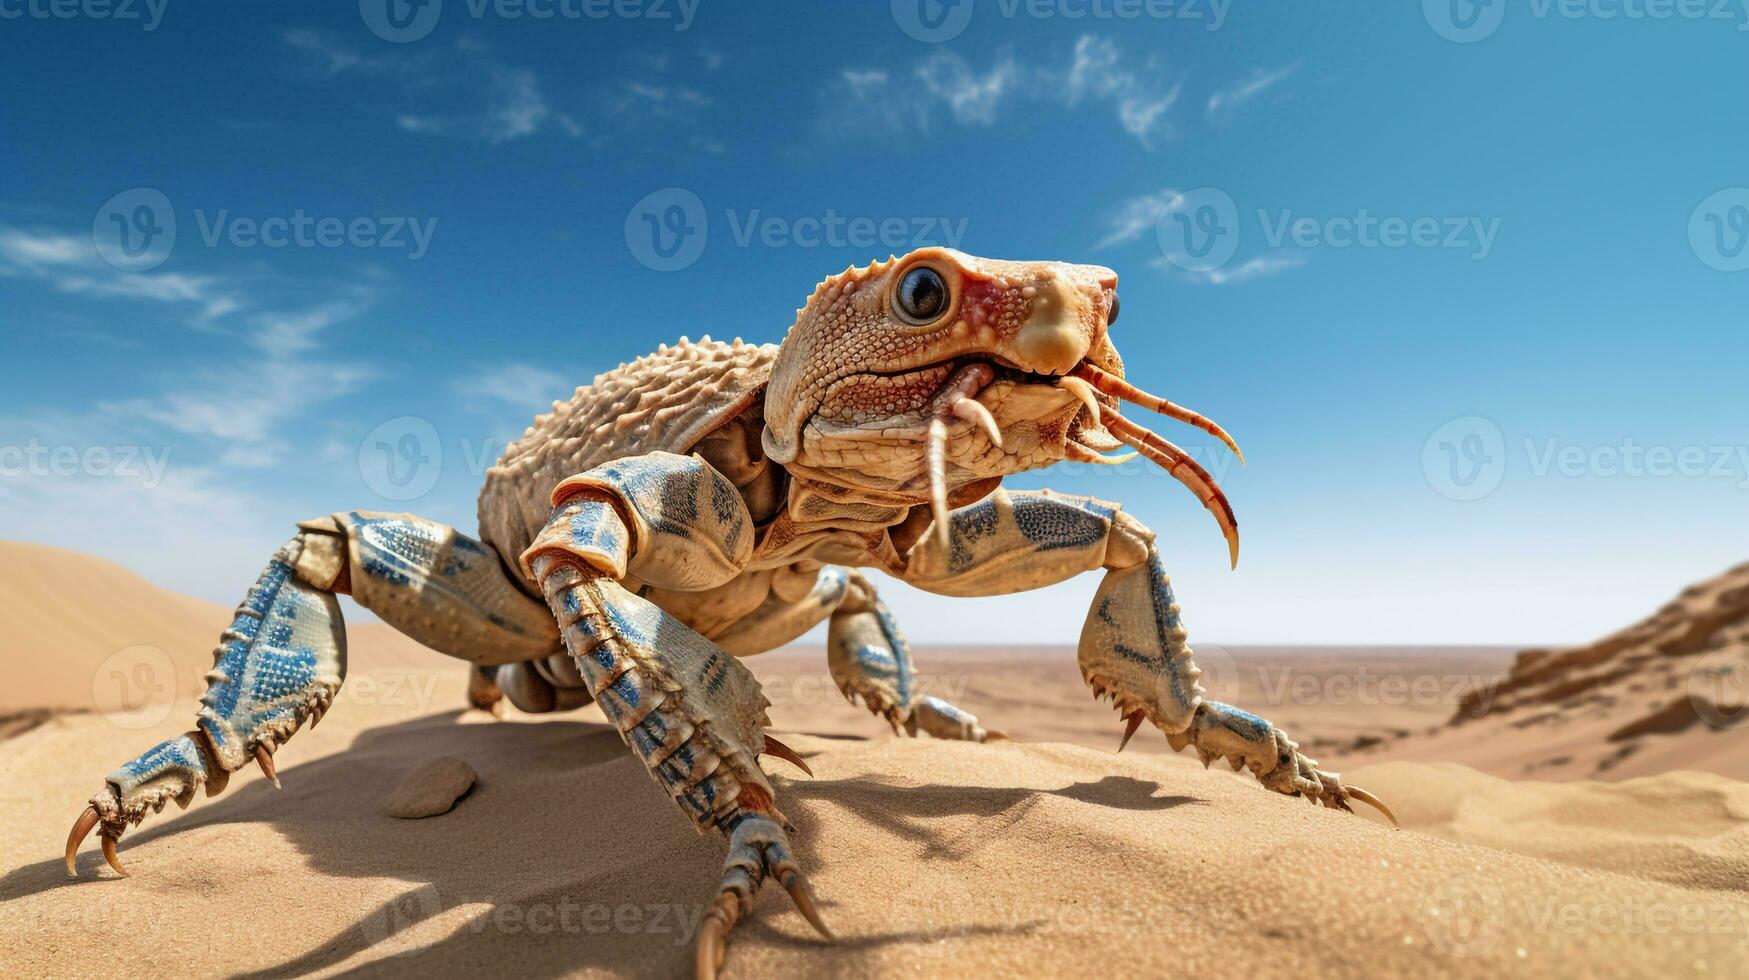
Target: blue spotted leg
point(1134, 648)
point(870, 660)
point(690, 712)
point(282, 660)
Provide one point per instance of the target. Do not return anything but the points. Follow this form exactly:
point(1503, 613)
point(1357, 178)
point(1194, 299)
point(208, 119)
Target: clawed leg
point(758, 849)
point(283, 658)
point(278, 665)
point(870, 660)
point(693, 714)
point(1134, 651)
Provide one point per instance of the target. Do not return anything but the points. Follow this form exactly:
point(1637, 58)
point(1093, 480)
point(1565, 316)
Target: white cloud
point(1261, 267)
point(71, 264)
point(465, 91)
point(480, 97)
point(1227, 102)
point(971, 97)
point(1135, 216)
point(1095, 72)
point(521, 385)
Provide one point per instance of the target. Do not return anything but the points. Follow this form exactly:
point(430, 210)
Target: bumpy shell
point(666, 401)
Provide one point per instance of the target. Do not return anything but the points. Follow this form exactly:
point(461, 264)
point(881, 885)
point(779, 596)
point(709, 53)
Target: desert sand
point(1048, 855)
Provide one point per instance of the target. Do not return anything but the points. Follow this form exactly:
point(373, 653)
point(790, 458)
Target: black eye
point(922, 295)
point(1111, 314)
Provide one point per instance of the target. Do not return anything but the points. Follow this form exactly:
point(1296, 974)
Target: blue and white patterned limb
point(282, 660)
point(870, 661)
point(691, 713)
point(1134, 648)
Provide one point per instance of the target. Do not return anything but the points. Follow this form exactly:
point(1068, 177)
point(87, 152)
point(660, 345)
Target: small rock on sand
point(431, 789)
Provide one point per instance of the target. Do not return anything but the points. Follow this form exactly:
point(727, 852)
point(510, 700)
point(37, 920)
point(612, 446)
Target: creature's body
point(711, 501)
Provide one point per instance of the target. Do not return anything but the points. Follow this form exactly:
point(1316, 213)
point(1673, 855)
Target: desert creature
point(713, 500)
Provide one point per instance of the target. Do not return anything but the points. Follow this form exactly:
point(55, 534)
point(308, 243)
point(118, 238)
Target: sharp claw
point(775, 748)
point(1135, 721)
point(803, 896)
point(264, 759)
point(716, 925)
point(110, 856)
point(1374, 802)
point(81, 830)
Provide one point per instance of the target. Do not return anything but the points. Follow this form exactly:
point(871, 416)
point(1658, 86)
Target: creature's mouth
point(1096, 426)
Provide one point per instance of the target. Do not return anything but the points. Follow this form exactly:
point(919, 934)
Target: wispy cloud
point(1226, 103)
point(462, 91)
point(641, 105)
point(1261, 267)
point(242, 402)
point(237, 400)
point(466, 91)
point(945, 83)
point(521, 385)
point(71, 264)
point(1134, 217)
point(1098, 72)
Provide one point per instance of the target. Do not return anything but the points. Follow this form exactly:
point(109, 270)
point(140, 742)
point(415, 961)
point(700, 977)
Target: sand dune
point(96, 637)
point(73, 618)
point(1045, 856)
point(931, 857)
point(1669, 692)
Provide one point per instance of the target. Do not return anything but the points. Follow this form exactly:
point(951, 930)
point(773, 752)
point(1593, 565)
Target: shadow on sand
point(565, 856)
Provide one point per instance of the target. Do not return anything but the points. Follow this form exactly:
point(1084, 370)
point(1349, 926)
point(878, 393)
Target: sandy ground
point(1045, 856)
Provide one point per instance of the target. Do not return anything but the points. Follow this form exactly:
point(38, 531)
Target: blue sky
point(1480, 326)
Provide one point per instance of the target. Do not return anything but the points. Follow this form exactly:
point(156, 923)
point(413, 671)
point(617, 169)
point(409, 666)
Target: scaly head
point(940, 371)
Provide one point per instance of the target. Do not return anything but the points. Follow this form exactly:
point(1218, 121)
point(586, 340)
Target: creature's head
point(936, 374)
